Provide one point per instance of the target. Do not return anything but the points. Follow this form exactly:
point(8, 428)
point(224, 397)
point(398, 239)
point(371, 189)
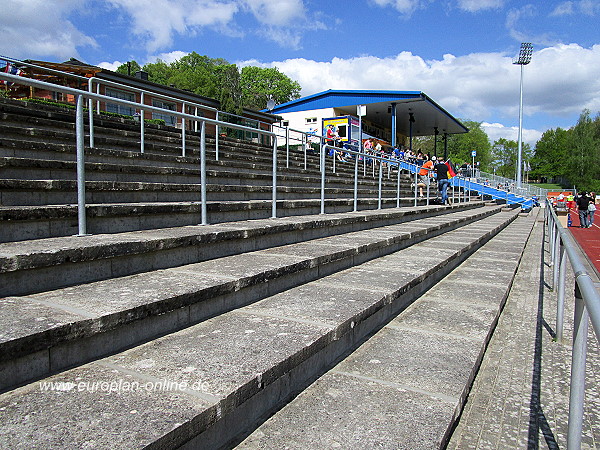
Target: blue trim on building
point(338, 98)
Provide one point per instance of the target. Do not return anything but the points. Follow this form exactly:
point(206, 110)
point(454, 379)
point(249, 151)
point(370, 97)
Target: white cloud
point(110, 65)
point(276, 12)
point(157, 24)
point(167, 57)
point(496, 131)
point(560, 81)
point(586, 7)
point(406, 7)
point(563, 9)
point(478, 5)
point(31, 28)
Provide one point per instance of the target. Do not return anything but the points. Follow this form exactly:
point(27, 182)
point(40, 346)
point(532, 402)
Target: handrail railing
point(587, 307)
point(79, 132)
point(127, 87)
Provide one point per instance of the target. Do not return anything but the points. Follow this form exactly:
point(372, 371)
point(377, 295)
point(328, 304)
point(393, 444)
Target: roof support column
point(445, 146)
point(393, 124)
point(411, 120)
point(435, 135)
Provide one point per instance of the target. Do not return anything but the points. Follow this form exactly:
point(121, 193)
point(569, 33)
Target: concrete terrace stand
point(157, 332)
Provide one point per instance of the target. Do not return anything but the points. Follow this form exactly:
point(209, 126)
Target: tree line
point(235, 89)
point(568, 157)
point(571, 157)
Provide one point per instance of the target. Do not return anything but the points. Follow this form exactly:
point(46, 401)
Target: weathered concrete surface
point(246, 362)
point(520, 396)
point(33, 266)
point(405, 386)
point(173, 298)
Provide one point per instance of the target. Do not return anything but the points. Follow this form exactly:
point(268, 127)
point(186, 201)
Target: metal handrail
point(79, 131)
point(47, 69)
point(587, 307)
point(197, 106)
point(81, 95)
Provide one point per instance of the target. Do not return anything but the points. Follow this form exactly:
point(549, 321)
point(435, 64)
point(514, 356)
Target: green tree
point(505, 154)
point(584, 153)
point(229, 88)
point(260, 84)
point(129, 68)
point(460, 146)
point(551, 155)
point(158, 72)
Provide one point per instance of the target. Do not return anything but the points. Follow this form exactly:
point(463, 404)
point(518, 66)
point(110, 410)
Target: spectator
point(441, 170)
point(424, 174)
point(591, 209)
point(583, 202)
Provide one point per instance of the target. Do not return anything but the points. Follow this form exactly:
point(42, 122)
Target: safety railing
point(184, 105)
point(526, 189)
point(467, 184)
point(80, 144)
point(83, 95)
point(587, 307)
point(143, 92)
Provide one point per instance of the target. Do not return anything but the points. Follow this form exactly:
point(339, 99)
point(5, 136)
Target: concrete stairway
point(227, 341)
point(128, 190)
point(406, 386)
point(190, 336)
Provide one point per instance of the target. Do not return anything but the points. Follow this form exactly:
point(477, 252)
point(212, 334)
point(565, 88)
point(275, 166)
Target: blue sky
point(459, 52)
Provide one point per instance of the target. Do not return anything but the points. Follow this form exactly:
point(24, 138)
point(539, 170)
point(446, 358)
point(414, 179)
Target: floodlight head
point(524, 57)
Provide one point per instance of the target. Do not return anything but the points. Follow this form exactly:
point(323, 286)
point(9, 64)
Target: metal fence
point(587, 307)
point(85, 95)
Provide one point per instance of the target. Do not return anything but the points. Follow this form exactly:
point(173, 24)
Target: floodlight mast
point(523, 59)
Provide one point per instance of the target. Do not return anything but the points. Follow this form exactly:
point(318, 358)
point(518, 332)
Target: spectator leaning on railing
point(441, 171)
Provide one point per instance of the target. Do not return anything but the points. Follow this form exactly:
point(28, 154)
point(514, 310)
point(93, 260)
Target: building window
point(118, 108)
point(169, 119)
point(311, 120)
point(285, 123)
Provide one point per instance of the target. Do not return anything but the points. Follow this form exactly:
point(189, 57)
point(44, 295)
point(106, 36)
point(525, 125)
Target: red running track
point(588, 238)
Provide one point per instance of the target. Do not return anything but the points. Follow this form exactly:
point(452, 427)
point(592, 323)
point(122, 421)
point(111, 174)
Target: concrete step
point(59, 192)
point(223, 173)
point(203, 386)
point(19, 223)
point(405, 387)
point(43, 264)
point(76, 324)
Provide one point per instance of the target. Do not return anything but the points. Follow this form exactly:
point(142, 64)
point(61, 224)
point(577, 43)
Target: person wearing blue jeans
point(583, 202)
point(441, 171)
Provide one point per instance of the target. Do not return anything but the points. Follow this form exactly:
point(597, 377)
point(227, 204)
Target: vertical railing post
point(287, 147)
point(577, 392)
point(333, 157)
point(380, 183)
point(204, 220)
point(356, 182)
point(556, 258)
point(305, 142)
point(142, 126)
point(398, 189)
point(416, 184)
point(217, 137)
point(560, 299)
point(274, 187)
point(183, 130)
point(322, 156)
point(91, 113)
point(80, 136)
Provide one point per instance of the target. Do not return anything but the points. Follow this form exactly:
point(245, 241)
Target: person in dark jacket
point(583, 202)
point(441, 171)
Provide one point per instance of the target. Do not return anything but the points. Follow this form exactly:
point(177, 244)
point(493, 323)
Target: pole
point(79, 130)
point(520, 149)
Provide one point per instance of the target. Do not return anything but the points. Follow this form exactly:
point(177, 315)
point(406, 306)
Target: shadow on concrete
point(537, 418)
